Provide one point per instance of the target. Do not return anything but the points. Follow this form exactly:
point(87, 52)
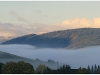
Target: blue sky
point(20, 18)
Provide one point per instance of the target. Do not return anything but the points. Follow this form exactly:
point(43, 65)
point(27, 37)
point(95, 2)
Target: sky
point(27, 17)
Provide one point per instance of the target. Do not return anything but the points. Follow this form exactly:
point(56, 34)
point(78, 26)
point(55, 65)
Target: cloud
point(37, 11)
point(6, 29)
point(67, 24)
point(22, 19)
point(19, 18)
point(75, 58)
point(79, 23)
point(14, 30)
point(6, 34)
point(12, 13)
point(39, 28)
point(40, 13)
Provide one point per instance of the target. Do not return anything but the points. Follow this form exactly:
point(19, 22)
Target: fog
point(75, 58)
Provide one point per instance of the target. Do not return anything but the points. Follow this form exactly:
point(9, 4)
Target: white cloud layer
point(75, 58)
point(9, 29)
point(79, 23)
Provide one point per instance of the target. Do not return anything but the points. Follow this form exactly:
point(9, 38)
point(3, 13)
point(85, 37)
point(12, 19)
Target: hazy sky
point(20, 18)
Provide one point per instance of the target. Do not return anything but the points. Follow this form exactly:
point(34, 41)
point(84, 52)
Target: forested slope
point(71, 38)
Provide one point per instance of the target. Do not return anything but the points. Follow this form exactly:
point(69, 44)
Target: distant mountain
point(6, 57)
point(71, 38)
point(22, 38)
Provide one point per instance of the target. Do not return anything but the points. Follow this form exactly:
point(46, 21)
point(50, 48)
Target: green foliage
point(98, 70)
point(94, 69)
point(25, 68)
point(89, 68)
point(40, 69)
point(48, 71)
point(17, 68)
point(82, 71)
point(1, 64)
point(64, 69)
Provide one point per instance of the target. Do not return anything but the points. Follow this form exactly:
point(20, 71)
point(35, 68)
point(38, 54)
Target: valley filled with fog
point(75, 58)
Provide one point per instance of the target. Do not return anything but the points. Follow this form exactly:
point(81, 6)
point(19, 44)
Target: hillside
point(7, 57)
point(71, 38)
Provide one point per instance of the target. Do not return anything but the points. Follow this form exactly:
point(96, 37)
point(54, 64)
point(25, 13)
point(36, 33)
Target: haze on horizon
point(74, 57)
point(21, 18)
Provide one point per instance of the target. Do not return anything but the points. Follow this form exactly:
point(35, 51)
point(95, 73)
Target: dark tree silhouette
point(17, 68)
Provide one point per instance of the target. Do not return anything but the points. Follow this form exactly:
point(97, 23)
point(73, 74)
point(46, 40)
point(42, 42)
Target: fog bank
point(75, 58)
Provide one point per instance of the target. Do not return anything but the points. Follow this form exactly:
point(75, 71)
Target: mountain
point(22, 38)
point(7, 57)
point(71, 38)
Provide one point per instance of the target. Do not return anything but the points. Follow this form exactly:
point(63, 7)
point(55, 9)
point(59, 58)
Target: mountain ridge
point(70, 38)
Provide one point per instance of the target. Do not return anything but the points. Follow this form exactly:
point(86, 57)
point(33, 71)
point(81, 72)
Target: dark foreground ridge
point(71, 38)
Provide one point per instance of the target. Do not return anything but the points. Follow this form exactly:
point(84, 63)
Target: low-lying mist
point(75, 58)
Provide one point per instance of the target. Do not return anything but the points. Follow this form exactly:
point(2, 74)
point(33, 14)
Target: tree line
point(22, 67)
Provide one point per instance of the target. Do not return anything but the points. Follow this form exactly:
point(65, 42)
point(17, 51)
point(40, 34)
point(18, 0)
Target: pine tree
point(98, 67)
point(88, 68)
point(98, 70)
point(95, 68)
point(92, 69)
point(82, 71)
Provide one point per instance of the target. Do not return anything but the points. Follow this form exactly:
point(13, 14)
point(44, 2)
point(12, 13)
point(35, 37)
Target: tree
point(88, 68)
point(40, 69)
point(82, 71)
point(17, 68)
point(48, 71)
point(64, 69)
point(95, 68)
point(98, 70)
point(1, 64)
point(92, 69)
point(98, 67)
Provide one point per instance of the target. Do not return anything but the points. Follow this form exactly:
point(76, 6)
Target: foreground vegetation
point(22, 67)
